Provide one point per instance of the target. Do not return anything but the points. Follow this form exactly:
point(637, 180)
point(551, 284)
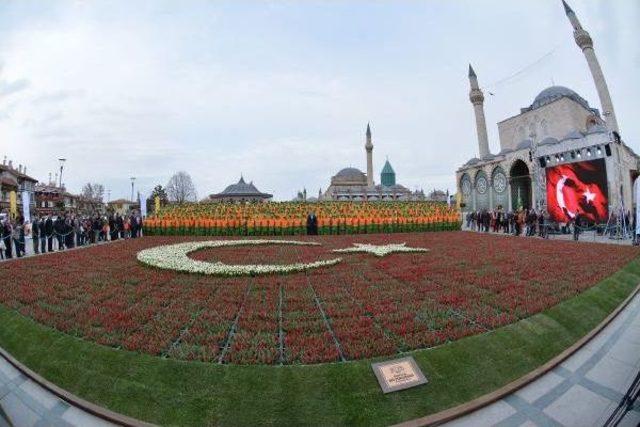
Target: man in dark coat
point(577, 223)
point(312, 224)
point(120, 225)
point(48, 228)
point(35, 235)
point(42, 234)
point(59, 228)
point(6, 230)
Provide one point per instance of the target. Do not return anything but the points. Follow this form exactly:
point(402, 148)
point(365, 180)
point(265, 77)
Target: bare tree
point(180, 188)
point(93, 191)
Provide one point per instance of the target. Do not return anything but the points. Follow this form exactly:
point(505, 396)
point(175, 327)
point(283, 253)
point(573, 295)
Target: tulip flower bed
point(361, 307)
point(289, 218)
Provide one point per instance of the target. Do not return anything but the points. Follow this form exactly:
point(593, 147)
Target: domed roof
point(242, 189)
point(473, 161)
point(554, 93)
point(350, 173)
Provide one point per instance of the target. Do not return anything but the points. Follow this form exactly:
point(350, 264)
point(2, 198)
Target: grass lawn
point(173, 392)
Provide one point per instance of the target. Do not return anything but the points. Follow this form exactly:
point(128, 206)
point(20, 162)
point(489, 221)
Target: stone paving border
point(70, 398)
point(73, 400)
point(503, 392)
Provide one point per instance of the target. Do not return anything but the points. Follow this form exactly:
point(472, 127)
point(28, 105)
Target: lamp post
point(61, 169)
point(133, 178)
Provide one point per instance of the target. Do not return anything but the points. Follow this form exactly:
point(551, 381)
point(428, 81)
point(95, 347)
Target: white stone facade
point(559, 127)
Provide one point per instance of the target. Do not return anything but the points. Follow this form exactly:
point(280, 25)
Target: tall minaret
point(369, 147)
point(584, 42)
point(477, 99)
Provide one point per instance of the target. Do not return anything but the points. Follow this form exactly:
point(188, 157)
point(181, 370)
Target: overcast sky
point(282, 91)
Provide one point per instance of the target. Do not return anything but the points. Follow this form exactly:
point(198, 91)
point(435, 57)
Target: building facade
point(15, 181)
point(52, 199)
point(558, 128)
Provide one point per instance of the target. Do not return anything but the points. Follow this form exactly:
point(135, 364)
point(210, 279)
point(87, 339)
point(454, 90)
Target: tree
point(180, 188)
point(159, 191)
point(90, 201)
point(93, 192)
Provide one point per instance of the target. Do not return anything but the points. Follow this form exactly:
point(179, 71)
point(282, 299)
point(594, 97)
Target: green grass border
point(172, 392)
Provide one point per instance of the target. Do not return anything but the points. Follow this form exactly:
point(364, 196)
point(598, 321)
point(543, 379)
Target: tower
point(388, 175)
point(584, 42)
point(477, 99)
point(369, 147)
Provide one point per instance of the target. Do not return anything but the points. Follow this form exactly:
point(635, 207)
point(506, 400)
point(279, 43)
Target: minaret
point(584, 42)
point(369, 147)
point(477, 99)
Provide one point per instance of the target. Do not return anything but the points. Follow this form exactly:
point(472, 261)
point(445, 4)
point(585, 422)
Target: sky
point(282, 91)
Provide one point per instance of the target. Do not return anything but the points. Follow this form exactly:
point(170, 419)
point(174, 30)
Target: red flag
point(578, 188)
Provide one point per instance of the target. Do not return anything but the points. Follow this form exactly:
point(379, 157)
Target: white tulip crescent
point(175, 257)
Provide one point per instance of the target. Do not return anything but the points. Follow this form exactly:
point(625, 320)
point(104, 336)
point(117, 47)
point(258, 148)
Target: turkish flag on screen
point(578, 188)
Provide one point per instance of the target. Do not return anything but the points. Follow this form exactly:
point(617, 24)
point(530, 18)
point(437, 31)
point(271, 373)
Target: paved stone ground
point(583, 391)
point(23, 403)
point(586, 236)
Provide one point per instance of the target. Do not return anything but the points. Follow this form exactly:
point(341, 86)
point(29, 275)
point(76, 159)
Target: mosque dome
point(350, 173)
point(554, 93)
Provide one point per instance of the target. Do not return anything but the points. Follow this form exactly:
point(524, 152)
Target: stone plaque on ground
point(398, 374)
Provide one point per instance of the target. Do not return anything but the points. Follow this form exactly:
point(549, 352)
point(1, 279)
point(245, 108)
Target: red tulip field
point(359, 307)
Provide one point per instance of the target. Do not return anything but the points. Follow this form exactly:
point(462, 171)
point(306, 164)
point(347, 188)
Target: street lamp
point(133, 178)
point(61, 168)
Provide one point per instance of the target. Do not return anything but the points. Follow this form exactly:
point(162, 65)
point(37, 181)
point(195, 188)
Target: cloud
point(281, 94)
point(9, 88)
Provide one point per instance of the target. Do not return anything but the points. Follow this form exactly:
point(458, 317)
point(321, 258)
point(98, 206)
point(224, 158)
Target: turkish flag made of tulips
point(578, 188)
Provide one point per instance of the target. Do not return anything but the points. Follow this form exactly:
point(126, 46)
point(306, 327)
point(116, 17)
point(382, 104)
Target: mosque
point(353, 184)
point(558, 155)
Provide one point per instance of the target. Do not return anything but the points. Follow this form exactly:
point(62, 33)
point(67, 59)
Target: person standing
point(49, 231)
point(312, 224)
point(7, 231)
point(35, 235)
point(42, 235)
point(576, 226)
point(16, 230)
point(58, 228)
point(97, 228)
point(134, 225)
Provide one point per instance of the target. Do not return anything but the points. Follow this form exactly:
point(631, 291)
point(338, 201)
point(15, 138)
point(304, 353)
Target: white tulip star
point(381, 250)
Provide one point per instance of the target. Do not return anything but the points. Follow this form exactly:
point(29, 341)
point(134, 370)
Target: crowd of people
point(50, 233)
point(526, 222)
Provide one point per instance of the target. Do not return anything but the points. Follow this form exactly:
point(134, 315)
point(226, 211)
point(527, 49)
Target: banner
point(143, 206)
point(13, 204)
point(578, 188)
point(156, 205)
point(26, 206)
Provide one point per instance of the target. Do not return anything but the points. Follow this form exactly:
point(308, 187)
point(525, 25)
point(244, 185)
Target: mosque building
point(241, 192)
point(559, 154)
point(352, 184)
